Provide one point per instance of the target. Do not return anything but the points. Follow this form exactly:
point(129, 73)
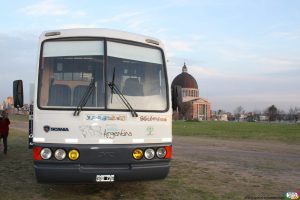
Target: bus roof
point(100, 32)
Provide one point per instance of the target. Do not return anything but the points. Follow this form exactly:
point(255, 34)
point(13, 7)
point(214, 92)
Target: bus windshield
point(67, 68)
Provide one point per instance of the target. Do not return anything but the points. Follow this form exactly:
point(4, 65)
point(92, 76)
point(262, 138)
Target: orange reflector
point(36, 153)
point(169, 152)
point(73, 154)
point(137, 154)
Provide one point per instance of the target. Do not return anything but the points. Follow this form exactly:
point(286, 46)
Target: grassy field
point(239, 130)
point(208, 177)
point(23, 118)
point(17, 181)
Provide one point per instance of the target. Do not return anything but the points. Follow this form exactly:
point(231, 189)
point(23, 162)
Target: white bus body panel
point(99, 127)
point(98, 32)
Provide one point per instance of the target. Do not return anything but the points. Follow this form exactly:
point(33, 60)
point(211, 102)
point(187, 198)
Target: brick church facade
point(199, 108)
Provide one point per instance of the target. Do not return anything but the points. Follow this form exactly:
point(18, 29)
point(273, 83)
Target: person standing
point(4, 129)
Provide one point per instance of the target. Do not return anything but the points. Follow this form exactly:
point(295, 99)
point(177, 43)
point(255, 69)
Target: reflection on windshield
point(66, 73)
point(142, 84)
point(139, 76)
point(65, 80)
point(89, 91)
point(115, 89)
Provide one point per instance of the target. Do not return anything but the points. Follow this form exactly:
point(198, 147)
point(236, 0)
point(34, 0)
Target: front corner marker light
point(46, 153)
point(137, 154)
point(149, 154)
point(73, 154)
point(161, 152)
point(60, 154)
point(37, 153)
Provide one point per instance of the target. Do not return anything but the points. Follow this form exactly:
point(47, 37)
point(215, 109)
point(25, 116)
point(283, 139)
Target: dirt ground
point(245, 168)
point(20, 126)
point(233, 169)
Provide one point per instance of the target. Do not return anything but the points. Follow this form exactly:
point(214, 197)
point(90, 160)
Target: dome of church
point(185, 80)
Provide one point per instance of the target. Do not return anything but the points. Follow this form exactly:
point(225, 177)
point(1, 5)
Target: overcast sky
point(241, 52)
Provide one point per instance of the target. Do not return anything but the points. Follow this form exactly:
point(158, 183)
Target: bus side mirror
point(176, 97)
point(18, 93)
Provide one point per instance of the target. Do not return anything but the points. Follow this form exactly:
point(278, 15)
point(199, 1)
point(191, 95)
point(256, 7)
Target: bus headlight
point(161, 152)
point(137, 154)
point(46, 153)
point(73, 154)
point(60, 154)
point(149, 154)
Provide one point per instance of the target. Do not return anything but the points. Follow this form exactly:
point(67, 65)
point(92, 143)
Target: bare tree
point(220, 112)
point(185, 110)
point(238, 112)
point(4, 105)
point(297, 114)
point(272, 113)
point(292, 114)
point(281, 115)
point(256, 114)
point(230, 116)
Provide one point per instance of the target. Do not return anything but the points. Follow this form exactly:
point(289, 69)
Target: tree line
point(272, 113)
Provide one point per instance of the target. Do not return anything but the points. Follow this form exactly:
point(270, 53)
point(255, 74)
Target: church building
point(199, 108)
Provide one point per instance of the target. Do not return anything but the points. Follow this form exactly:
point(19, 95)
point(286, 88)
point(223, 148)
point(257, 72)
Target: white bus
point(102, 110)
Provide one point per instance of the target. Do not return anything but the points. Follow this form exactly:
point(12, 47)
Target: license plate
point(105, 178)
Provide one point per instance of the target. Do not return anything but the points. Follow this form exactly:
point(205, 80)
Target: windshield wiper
point(115, 89)
point(85, 97)
point(113, 84)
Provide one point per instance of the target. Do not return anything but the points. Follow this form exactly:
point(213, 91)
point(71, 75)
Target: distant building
point(9, 101)
point(243, 117)
point(263, 118)
point(201, 108)
point(222, 117)
point(8, 105)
